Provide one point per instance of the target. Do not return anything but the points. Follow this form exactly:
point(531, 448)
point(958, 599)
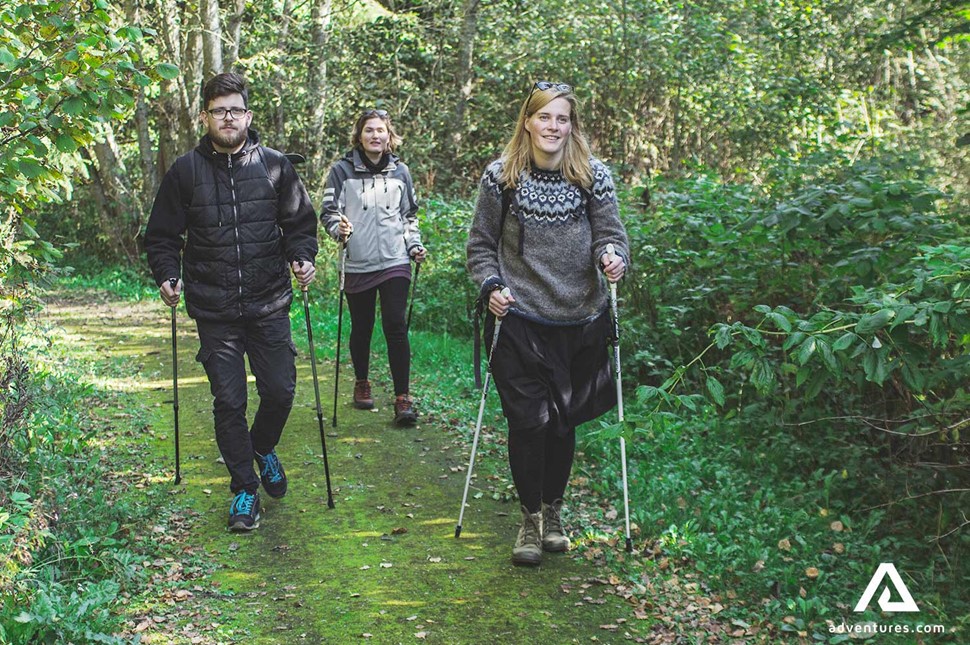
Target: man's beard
point(230, 139)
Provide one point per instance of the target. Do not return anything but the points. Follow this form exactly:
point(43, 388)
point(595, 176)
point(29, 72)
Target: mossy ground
point(383, 565)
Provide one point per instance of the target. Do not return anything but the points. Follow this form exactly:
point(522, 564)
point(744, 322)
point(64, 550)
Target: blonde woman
point(545, 214)
point(369, 203)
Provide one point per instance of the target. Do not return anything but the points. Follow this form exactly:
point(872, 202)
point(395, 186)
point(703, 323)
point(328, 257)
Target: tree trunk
point(120, 218)
point(469, 31)
point(233, 30)
point(317, 90)
point(211, 38)
point(279, 77)
point(149, 181)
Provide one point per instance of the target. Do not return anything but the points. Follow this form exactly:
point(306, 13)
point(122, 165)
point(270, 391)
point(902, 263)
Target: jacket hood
point(355, 158)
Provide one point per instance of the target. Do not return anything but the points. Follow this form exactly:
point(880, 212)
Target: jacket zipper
point(235, 228)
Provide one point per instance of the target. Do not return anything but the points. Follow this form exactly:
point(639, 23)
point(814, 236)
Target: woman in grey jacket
point(370, 205)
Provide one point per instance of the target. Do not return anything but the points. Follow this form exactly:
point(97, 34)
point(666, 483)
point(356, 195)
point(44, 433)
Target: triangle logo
point(887, 569)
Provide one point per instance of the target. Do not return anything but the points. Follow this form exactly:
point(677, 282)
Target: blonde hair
point(517, 155)
point(393, 140)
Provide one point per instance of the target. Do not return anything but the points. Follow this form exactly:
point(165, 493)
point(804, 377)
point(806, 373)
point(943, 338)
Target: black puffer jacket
point(246, 216)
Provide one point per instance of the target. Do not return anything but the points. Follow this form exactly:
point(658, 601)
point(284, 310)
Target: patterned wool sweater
point(555, 279)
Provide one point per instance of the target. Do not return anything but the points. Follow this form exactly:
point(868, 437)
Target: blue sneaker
point(244, 512)
point(271, 474)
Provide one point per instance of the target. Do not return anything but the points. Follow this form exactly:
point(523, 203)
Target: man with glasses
point(231, 220)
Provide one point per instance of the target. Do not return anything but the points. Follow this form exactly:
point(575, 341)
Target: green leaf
point(7, 59)
point(74, 106)
point(874, 322)
point(806, 350)
point(844, 342)
point(780, 321)
point(167, 71)
point(65, 143)
point(30, 168)
point(903, 314)
point(716, 389)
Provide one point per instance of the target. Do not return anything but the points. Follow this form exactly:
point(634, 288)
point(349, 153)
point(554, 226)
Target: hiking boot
point(271, 474)
point(362, 397)
point(553, 537)
point(404, 414)
point(244, 512)
point(528, 545)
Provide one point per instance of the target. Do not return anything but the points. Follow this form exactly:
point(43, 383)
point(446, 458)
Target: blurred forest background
point(793, 175)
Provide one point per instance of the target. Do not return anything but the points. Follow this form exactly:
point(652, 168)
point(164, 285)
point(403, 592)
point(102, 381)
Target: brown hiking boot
point(362, 396)
point(553, 537)
point(404, 414)
point(528, 545)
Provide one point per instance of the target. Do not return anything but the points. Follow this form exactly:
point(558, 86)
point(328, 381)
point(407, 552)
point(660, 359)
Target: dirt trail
point(382, 566)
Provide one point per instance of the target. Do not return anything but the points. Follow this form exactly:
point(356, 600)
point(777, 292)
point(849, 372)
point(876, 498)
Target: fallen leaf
point(421, 635)
point(784, 545)
point(811, 572)
point(399, 531)
point(837, 526)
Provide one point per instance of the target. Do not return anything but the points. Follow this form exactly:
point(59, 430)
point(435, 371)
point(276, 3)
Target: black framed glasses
point(221, 112)
point(542, 86)
point(373, 112)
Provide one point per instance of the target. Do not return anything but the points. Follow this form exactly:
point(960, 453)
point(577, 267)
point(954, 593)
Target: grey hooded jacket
point(382, 207)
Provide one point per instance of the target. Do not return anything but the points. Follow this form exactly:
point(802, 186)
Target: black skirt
point(556, 375)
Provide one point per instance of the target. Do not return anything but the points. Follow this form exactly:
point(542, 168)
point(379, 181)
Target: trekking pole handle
point(303, 287)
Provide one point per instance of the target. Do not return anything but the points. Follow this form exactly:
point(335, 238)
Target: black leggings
point(363, 308)
point(541, 461)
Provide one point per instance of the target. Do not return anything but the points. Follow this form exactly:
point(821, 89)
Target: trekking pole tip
point(629, 545)
point(458, 531)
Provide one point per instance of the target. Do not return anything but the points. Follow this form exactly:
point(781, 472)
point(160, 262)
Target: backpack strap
point(508, 195)
point(273, 162)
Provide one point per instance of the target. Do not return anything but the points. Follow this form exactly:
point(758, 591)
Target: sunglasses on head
point(542, 86)
point(372, 112)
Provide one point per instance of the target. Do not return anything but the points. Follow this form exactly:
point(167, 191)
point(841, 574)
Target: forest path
point(383, 565)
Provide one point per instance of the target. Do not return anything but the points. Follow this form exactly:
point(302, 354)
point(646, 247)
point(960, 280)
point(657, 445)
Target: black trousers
point(363, 310)
point(550, 380)
point(272, 360)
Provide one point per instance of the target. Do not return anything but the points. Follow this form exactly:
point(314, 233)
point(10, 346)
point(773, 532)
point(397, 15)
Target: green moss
point(384, 561)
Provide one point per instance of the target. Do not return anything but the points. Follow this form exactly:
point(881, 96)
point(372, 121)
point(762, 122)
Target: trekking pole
point(611, 251)
point(414, 289)
point(340, 320)
point(481, 411)
point(175, 386)
point(316, 389)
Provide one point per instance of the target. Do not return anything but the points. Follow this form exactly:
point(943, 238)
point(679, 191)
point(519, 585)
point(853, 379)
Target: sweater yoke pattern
point(546, 198)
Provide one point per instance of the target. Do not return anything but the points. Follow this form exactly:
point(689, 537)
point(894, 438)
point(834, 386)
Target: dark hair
point(224, 85)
